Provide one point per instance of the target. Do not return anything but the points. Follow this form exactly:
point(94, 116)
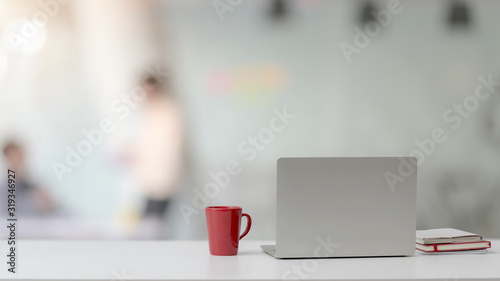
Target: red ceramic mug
point(223, 224)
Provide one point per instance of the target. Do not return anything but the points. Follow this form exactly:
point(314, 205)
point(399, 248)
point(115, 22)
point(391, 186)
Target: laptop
point(345, 207)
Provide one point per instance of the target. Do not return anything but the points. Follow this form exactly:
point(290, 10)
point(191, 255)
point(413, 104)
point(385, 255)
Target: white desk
point(176, 260)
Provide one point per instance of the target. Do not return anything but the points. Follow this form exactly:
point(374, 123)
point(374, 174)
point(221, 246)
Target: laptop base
point(269, 249)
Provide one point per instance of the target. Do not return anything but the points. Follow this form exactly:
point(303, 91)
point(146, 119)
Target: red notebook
point(449, 247)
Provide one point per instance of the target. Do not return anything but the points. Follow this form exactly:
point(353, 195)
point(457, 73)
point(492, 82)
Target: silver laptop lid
point(340, 207)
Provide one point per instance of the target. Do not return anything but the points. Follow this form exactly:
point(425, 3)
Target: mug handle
point(249, 224)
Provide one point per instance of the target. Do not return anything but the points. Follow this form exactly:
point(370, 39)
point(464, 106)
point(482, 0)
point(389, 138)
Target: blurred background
point(124, 119)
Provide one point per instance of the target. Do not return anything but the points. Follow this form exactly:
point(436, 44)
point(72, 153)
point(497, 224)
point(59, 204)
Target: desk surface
point(176, 260)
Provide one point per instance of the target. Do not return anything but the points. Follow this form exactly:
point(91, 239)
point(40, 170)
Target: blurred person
point(157, 153)
point(30, 199)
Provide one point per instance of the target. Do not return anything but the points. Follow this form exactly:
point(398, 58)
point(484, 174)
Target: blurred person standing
point(31, 200)
point(158, 150)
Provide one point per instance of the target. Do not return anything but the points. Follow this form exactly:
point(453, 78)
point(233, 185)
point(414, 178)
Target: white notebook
point(469, 252)
point(446, 235)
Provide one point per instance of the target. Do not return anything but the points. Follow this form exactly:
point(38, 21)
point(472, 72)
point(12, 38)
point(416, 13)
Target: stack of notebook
point(450, 240)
